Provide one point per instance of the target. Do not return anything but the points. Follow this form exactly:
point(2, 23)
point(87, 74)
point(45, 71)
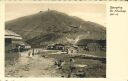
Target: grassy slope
point(52, 26)
point(95, 68)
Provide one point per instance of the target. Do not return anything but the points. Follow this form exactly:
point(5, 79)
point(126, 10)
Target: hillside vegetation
point(48, 27)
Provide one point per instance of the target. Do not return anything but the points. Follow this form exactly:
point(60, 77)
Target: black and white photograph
point(55, 40)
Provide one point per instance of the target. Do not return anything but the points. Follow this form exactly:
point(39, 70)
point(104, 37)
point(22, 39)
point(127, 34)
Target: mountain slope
point(53, 27)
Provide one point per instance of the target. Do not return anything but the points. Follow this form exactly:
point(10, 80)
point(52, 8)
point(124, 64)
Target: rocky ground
point(34, 66)
point(43, 65)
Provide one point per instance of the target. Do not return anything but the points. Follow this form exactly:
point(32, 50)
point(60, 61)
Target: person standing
point(33, 52)
point(71, 67)
point(19, 49)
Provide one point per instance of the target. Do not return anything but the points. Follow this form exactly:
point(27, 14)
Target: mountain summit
point(48, 27)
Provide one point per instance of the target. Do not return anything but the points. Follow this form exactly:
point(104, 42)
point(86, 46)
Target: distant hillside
point(54, 27)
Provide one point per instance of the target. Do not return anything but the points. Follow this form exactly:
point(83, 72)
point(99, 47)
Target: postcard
point(63, 40)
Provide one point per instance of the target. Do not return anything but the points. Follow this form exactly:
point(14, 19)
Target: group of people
point(31, 53)
point(61, 64)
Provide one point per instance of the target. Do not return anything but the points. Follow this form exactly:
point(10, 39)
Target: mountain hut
point(12, 40)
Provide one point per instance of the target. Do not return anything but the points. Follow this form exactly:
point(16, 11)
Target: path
point(35, 66)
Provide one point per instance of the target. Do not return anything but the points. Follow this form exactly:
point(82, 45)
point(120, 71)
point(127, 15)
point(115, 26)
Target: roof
point(73, 46)
point(86, 41)
point(12, 35)
point(58, 45)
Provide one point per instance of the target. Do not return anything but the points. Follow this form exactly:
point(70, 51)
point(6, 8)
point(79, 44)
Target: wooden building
point(56, 47)
point(92, 45)
point(12, 41)
point(72, 49)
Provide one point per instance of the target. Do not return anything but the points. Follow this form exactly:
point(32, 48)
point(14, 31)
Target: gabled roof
point(12, 35)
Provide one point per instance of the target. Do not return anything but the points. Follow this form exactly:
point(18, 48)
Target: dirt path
point(35, 66)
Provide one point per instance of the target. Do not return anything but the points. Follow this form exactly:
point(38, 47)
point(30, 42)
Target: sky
point(86, 11)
